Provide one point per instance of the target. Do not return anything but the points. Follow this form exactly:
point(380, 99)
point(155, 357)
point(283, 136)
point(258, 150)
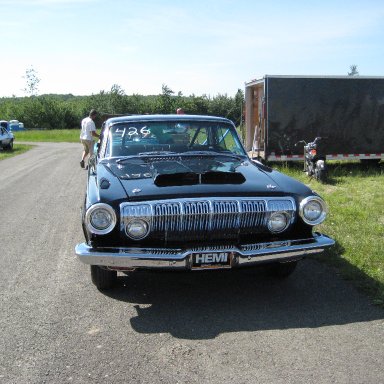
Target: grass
point(18, 149)
point(354, 194)
point(52, 135)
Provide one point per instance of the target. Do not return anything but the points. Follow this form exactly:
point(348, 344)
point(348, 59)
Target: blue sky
point(196, 47)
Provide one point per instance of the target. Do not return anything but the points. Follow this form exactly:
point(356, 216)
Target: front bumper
point(168, 258)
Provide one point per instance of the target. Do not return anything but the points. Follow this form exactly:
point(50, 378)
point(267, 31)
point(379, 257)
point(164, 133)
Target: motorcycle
point(314, 164)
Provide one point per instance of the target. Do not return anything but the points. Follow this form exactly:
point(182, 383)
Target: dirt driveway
point(241, 327)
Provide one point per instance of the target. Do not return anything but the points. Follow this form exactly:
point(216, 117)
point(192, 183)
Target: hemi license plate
point(211, 260)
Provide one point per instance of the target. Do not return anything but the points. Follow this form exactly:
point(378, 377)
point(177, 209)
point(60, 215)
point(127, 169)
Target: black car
point(179, 192)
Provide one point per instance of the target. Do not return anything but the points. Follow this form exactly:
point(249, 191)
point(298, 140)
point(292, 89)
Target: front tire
point(283, 270)
point(103, 278)
point(9, 147)
point(309, 169)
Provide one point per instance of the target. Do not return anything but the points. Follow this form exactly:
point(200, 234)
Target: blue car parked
point(6, 137)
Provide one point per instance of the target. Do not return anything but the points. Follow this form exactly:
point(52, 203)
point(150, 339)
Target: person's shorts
point(88, 146)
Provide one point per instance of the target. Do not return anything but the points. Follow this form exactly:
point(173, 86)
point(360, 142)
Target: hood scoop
point(191, 178)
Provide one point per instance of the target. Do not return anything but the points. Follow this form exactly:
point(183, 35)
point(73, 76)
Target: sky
point(199, 47)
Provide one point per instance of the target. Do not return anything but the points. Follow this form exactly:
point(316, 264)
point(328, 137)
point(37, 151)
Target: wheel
point(9, 147)
point(320, 171)
point(282, 270)
point(103, 278)
point(321, 175)
point(309, 169)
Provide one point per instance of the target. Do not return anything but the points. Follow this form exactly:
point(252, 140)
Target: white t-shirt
point(87, 126)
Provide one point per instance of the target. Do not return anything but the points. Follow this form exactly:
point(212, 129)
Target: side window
point(227, 140)
point(198, 136)
point(103, 150)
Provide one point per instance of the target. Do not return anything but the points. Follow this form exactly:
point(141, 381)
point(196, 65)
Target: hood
point(195, 176)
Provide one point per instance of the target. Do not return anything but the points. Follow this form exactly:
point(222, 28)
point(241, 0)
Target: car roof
point(169, 118)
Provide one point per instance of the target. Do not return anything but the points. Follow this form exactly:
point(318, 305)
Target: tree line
point(66, 111)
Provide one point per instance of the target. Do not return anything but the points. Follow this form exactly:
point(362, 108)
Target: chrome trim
point(88, 216)
point(144, 224)
point(286, 218)
point(168, 258)
point(207, 218)
point(323, 205)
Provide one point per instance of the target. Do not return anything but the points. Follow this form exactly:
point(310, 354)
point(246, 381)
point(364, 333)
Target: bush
point(66, 111)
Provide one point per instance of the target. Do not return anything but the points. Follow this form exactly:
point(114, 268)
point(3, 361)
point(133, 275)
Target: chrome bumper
point(166, 258)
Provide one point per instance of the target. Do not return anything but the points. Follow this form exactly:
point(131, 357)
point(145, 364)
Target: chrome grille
point(253, 213)
point(206, 218)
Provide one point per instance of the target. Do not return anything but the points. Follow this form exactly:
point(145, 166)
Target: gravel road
point(225, 327)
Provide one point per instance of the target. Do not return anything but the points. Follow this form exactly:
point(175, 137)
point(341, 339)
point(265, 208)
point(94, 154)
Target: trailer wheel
point(369, 162)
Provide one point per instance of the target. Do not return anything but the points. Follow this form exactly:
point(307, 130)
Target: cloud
point(205, 46)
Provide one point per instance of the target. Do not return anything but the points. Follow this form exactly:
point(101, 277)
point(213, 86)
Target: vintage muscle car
point(180, 192)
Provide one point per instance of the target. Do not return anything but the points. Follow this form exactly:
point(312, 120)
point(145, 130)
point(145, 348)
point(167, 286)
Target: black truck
point(347, 112)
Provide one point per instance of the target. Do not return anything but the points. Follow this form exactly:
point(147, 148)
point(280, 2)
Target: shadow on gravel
point(203, 305)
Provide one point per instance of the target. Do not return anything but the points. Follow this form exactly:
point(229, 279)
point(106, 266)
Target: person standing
point(88, 132)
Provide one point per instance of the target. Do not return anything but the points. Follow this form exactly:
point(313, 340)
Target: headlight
point(313, 210)
point(100, 218)
point(278, 222)
point(137, 229)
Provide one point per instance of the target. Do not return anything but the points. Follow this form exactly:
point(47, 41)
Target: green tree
point(166, 103)
point(66, 111)
point(239, 107)
point(117, 100)
point(32, 82)
point(353, 70)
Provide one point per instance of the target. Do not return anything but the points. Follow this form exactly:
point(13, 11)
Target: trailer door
point(255, 119)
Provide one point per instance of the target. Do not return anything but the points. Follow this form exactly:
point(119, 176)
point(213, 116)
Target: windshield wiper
point(157, 153)
point(144, 155)
point(122, 159)
point(213, 153)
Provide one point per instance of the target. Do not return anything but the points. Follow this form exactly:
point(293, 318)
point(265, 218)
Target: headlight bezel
point(137, 220)
point(275, 214)
point(89, 216)
point(323, 208)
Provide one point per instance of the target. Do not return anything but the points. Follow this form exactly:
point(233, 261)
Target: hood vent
point(191, 178)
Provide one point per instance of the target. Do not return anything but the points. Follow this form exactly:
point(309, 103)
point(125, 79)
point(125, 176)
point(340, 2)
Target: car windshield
point(157, 137)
